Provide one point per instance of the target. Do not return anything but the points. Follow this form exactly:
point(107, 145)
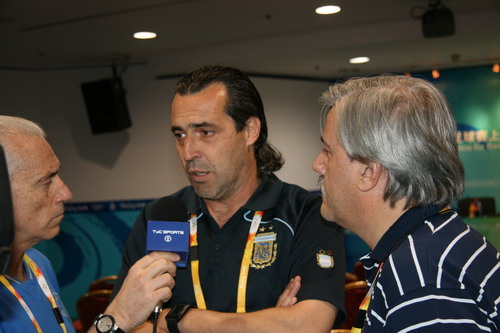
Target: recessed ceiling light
point(144, 35)
point(327, 10)
point(359, 60)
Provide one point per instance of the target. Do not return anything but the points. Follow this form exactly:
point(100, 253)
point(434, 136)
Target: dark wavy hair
point(243, 102)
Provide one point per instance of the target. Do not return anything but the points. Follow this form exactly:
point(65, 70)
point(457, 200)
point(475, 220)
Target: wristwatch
point(106, 324)
point(175, 315)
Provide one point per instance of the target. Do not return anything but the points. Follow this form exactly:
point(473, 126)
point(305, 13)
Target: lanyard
point(46, 290)
point(245, 262)
point(365, 304)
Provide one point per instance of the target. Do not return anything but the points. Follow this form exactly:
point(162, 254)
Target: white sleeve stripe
point(445, 253)
point(369, 268)
point(377, 316)
point(366, 256)
point(415, 260)
point(493, 323)
point(444, 321)
point(493, 314)
point(379, 286)
point(445, 223)
point(396, 276)
point(429, 298)
point(469, 262)
point(493, 270)
point(430, 225)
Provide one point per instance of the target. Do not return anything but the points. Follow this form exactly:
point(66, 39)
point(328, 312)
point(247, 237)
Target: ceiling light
point(359, 60)
point(496, 68)
point(327, 10)
point(144, 35)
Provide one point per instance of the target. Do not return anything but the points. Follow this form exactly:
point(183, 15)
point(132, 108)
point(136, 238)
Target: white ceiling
point(271, 37)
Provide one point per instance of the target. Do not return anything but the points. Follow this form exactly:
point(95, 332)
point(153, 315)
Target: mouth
point(198, 175)
point(58, 218)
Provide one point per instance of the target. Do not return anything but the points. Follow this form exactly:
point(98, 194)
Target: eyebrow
point(49, 176)
point(195, 125)
point(325, 144)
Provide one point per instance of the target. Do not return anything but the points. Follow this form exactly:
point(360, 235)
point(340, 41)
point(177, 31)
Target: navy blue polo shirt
point(438, 275)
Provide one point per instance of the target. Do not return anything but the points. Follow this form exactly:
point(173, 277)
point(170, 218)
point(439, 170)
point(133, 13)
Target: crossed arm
point(304, 316)
point(288, 316)
point(151, 280)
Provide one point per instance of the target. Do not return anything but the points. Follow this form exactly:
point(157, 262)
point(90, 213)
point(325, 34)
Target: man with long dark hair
point(252, 232)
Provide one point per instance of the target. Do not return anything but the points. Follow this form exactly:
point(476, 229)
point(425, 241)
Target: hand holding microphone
point(168, 230)
point(149, 282)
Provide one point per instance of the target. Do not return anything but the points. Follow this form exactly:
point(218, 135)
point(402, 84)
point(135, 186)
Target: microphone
point(168, 230)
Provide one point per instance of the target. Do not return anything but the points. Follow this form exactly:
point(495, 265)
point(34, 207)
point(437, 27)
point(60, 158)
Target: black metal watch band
point(175, 315)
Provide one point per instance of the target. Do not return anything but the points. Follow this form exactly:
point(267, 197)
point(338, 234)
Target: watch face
point(105, 324)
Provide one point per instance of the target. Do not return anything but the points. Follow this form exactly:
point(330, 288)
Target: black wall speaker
point(438, 22)
point(106, 105)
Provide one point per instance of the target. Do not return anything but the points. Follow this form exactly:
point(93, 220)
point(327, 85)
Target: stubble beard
point(325, 211)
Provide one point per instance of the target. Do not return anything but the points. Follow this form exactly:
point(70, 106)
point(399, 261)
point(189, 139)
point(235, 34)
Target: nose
point(318, 164)
point(63, 193)
point(188, 149)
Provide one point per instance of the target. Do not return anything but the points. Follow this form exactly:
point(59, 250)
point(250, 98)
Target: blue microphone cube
point(170, 237)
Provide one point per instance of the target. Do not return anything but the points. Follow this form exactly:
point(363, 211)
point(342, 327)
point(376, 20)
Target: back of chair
point(106, 282)
point(355, 292)
point(349, 277)
point(90, 305)
point(359, 271)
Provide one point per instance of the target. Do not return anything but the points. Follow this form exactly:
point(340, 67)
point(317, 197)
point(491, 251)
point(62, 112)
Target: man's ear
point(252, 129)
point(370, 175)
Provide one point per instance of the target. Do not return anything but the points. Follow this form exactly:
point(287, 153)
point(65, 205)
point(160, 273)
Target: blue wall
point(90, 245)
point(474, 95)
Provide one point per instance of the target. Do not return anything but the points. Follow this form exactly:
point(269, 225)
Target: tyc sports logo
point(168, 234)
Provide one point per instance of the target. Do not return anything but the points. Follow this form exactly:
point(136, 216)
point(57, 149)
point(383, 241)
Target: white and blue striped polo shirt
point(439, 275)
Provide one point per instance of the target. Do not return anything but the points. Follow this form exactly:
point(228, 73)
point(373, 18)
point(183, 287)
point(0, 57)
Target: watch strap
point(175, 315)
point(116, 329)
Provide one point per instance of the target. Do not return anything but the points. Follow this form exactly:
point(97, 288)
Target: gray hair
point(404, 124)
point(14, 126)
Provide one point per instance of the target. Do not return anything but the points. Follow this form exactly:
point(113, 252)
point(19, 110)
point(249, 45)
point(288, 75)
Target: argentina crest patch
point(264, 250)
point(324, 259)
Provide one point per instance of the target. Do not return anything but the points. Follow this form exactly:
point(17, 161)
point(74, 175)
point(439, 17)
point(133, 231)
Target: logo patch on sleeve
point(324, 259)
